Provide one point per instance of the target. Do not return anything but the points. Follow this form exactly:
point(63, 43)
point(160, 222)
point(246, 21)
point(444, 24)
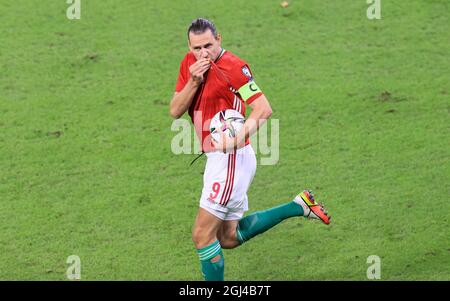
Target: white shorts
point(226, 180)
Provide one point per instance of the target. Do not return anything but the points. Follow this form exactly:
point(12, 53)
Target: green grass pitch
point(86, 166)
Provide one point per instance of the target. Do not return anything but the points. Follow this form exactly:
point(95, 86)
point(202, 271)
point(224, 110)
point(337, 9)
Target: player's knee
point(196, 236)
point(228, 240)
point(202, 237)
point(229, 244)
point(226, 244)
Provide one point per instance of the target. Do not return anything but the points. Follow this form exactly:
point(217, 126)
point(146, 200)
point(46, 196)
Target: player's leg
point(227, 234)
point(234, 233)
point(212, 213)
point(261, 221)
point(204, 236)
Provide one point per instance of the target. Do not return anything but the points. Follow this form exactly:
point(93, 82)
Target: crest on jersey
point(246, 72)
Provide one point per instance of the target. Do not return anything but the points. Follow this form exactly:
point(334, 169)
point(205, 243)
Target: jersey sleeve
point(183, 75)
point(242, 81)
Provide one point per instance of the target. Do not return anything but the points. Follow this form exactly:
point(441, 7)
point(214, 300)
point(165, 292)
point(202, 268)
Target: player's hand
point(227, 144)
point(198, 69)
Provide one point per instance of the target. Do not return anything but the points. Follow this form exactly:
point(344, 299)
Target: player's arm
point(254, 97)
point(261, 111)
point(182, 100)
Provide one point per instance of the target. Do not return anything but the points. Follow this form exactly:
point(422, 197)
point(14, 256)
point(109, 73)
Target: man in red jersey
point(211, 80)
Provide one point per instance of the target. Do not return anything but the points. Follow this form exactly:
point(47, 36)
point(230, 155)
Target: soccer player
point(210, 80)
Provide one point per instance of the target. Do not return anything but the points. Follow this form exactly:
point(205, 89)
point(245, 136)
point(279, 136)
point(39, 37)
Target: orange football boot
point(311, 209)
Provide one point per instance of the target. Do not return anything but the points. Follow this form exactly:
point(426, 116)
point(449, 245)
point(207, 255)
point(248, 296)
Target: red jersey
point(225, 86)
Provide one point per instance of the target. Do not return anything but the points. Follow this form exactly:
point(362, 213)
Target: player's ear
point(219, 38)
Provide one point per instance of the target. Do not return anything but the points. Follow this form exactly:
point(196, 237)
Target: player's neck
point(219, 55)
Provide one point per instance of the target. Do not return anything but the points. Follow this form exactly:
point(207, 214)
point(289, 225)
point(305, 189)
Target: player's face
point(205, 45)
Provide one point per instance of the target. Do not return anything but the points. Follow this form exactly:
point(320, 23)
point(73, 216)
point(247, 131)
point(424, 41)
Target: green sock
point(261, 221)
point(212, 267)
